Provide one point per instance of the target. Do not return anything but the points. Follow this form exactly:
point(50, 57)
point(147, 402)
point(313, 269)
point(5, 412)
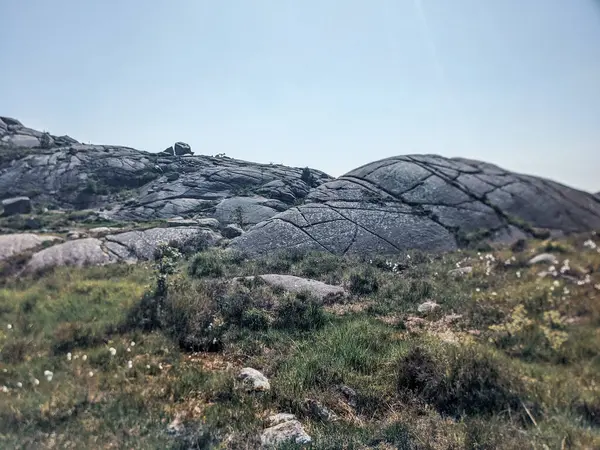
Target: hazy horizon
point(332, 85)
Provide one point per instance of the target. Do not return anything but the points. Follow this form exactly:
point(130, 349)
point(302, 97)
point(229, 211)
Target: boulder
point(22, 140)
point(461, 271)
point(14, 244)
point(78, 253)
point(427, 307)
point(296, 285)
point(141, 245)
point(546, 258)
point(178, 149)
point(290, 432)
point(254, 380)
point(425, 202)
point(16, 205)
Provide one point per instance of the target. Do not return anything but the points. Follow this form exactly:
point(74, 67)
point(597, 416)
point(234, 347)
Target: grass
point(509, 359)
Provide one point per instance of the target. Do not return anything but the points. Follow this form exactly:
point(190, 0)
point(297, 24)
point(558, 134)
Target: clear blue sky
point(330, 84)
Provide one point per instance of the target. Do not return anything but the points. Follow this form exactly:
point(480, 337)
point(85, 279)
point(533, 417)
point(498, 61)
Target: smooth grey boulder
point(423, 202)
point(78, 253)
point(129, 247)
point(141, 245)
point(291, 432)
point(297, 285)
point(14, 244)
point(254, 380)
point(16, 205)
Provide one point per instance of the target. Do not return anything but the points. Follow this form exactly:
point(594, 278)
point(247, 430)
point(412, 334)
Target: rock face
point(16, 205)
point(422, 201)
point(74, 175)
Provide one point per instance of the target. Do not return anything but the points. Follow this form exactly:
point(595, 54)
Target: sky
point(329, 84)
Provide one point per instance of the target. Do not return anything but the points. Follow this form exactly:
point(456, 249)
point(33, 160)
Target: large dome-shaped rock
point(423, 202)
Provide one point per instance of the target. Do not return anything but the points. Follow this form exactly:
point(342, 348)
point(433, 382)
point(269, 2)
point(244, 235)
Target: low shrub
point(363, 282)
point(300, 312)
point(467, 381)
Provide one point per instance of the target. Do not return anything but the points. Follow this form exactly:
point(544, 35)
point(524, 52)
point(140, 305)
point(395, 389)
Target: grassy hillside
point(109, 357)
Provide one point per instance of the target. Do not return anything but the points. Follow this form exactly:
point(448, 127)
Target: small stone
point(543, 258)
point(427, 306)
point(254, 380)
point(276, 419)
point(320, 411)
point(462, 271)
point(291, 431)
point(176, 426)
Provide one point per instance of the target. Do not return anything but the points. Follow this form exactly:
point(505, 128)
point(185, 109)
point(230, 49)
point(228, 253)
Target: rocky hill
point(61, 172)
point(427, 202)
point(423, 202)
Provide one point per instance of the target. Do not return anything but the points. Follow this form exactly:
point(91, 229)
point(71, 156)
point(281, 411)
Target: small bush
point(207, 264)
point(470, 382)
point(363, 282)
point(255, 319)
point(300, 312)
point(589, 411)
point(69, 336)
point(15, 351)
point(189, 315)
point(307, 176)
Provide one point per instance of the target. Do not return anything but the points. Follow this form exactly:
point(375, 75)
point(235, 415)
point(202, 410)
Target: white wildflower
point(128, 349)
point(9, 326)
point(408, 256)
point(48, 375)
point(4, 389)
point(566, 290)
point(147, 366)
point(91, 374)
point(494, 294)
point(19, 384)
point(478, 290)
point(556, 283)
point(69, 356)
point(132, 344)
point(113, 351)
point(76, 357)
point(590, 244)
point(129, 364)
point(160, 366)
point(551, 288)
point(518, 274)
point(36, 381)
point(84, 357)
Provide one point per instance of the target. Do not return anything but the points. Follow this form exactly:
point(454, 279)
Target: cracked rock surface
point(137, 185)
point(422, 202)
